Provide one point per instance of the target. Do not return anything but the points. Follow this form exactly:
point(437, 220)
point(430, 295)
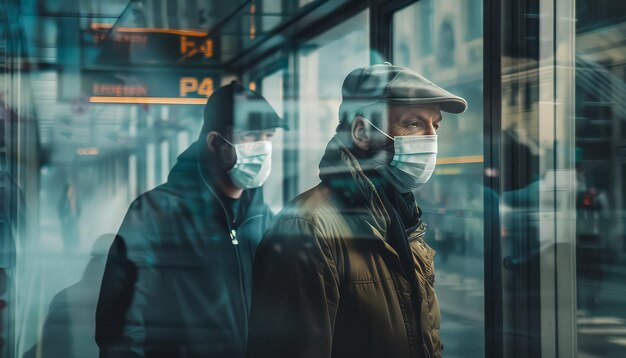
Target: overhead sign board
point(149, 45)
point(164, 87)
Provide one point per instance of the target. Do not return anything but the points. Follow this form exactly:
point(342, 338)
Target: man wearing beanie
point(178, 275)
point(343, 270)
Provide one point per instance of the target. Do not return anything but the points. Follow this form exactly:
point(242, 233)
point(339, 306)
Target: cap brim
point(276, 122)
point(284, 126)
point(258, 121)
point(454, 105)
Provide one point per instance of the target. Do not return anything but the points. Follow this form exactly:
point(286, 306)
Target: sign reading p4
point(148, 86)
point(196, 87)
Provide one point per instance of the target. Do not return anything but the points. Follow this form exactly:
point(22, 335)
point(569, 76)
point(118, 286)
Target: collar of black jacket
point(190, 178)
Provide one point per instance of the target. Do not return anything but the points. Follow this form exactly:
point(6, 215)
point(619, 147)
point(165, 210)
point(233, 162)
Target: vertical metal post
point(491, 134)
point(564, 53)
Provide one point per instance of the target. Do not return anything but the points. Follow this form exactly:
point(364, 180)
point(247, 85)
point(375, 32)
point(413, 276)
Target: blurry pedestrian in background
point(69, 327)
point(68, 209)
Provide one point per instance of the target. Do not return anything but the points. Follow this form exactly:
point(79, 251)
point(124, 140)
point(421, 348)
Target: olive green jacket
point(326, 283)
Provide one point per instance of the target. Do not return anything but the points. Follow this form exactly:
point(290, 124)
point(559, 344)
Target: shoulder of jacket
point(308, 207)
point(162, 199)
point(283, 221)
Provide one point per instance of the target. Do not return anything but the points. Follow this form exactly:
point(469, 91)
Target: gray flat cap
point(395, 84)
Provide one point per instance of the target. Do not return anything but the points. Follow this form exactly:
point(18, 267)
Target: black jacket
point(344, 272)
point(178, 276)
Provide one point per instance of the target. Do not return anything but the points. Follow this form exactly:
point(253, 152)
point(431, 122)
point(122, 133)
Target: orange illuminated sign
point(150, 100)
point(87, 151)
point(461, 160)
point(125, 38)
point(184, 32)
point(188, 45)
point(148, 86)
point(189, 85)
point(104, 89)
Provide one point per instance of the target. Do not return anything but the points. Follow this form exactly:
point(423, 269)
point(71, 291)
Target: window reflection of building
point(323, 64)
point(597, 93)
point(446, 46)
point(601, 171)
point(272, 90)
point(600, 112)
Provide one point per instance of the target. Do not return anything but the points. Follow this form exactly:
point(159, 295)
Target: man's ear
point(361, 133)
point(211, 143)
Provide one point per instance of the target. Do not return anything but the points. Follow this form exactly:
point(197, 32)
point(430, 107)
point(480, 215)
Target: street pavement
point(601, 314)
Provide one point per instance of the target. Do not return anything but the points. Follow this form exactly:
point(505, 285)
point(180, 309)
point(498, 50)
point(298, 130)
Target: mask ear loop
point(237, 154)
point(380, 130)
point(226, 140)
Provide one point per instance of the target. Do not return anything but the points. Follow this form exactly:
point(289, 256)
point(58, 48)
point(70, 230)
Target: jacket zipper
point(235, 242)
point(233, 237)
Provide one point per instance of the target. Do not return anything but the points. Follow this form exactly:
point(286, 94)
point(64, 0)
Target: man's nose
point(430, 130)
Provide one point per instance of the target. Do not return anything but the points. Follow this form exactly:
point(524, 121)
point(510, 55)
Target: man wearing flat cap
point(343, 270)
point(178, 276)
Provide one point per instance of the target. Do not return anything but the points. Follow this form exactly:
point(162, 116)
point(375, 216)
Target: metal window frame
point(492, 109)
point(538, 312)
point(558, 314)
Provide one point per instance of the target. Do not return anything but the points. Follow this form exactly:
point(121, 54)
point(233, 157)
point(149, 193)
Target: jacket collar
point(342, 172)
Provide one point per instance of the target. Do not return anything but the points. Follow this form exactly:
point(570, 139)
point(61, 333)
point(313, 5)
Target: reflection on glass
point(272, 90)
point(84, 194)
point(600, 172)
point(302, 3)
point(323, 63)
point(429, 38)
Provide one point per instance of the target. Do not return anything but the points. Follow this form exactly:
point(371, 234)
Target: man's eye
point(412, 125)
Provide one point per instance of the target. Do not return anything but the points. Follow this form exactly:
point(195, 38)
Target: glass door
point(600, 144)
point(443, 41)
point(561, 179)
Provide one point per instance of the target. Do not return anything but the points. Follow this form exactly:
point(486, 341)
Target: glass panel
point(561, 210)
point(272, 90)
point(534, 256)
point(600, 171)
point(323, 63)
point(85, 192)
point(302, 3)
point(432, 38)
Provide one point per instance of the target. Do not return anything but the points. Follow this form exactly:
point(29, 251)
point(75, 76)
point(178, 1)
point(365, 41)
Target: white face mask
point(413, 163)
point(254, 163)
